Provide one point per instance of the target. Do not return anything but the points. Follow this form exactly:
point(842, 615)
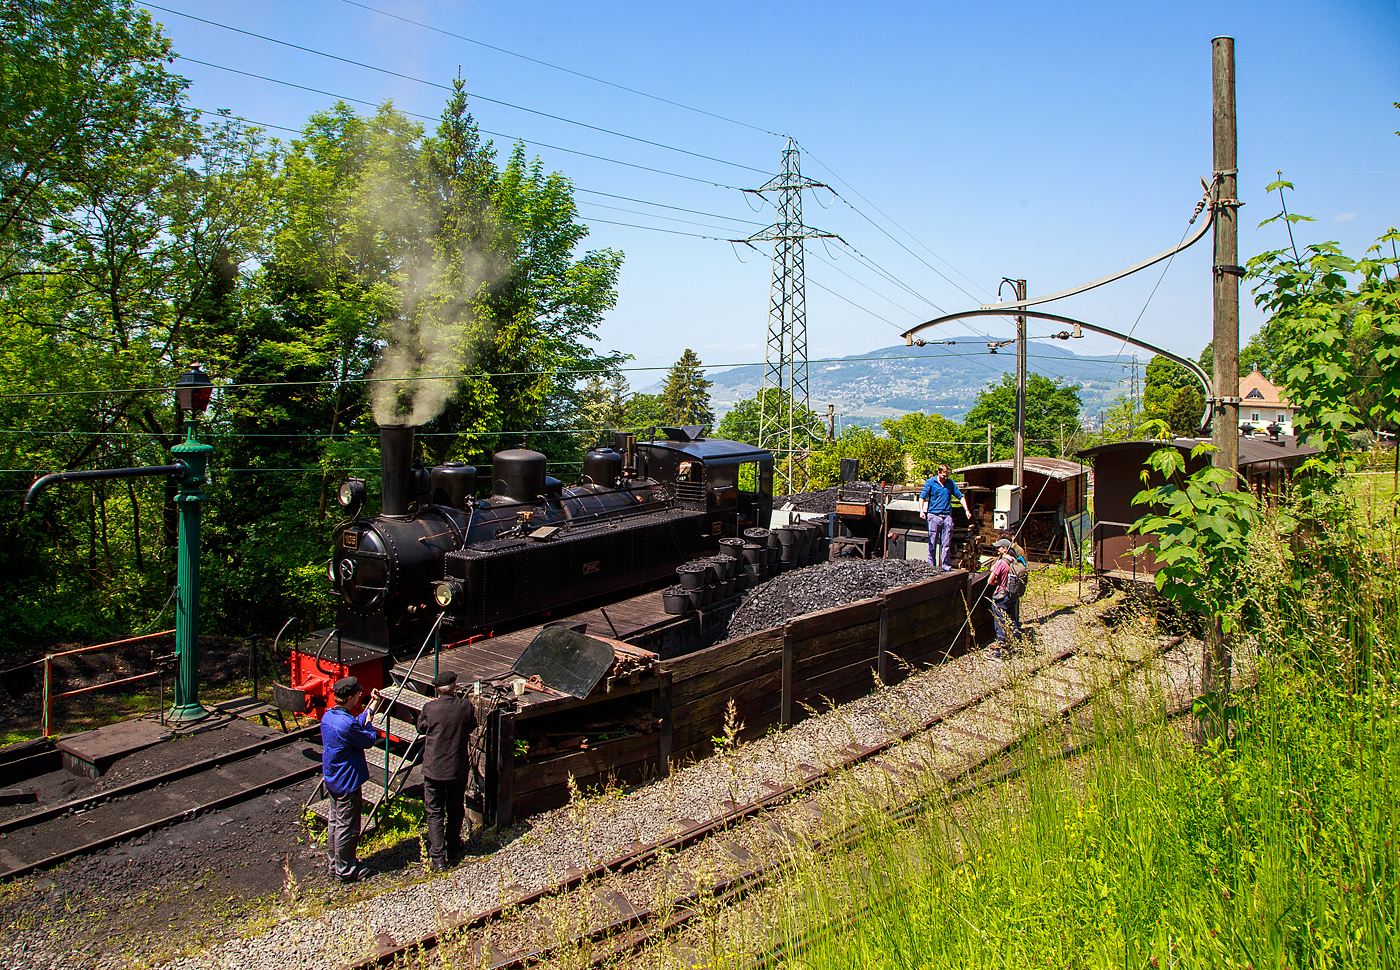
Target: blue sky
point(968, 142)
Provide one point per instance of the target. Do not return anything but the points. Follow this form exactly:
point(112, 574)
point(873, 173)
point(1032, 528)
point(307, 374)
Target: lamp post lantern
point(193, 390)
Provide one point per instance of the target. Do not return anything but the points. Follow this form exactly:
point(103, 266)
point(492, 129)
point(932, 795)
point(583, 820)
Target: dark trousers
point(1006, 617)
point(343, 838)
point(445, 805)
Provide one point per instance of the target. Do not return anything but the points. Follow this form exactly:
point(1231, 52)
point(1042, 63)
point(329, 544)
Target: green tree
point(881, 459)
point(603, 408)
point(1052, 409)
point(686, 393)
point(122, 226)
point(1321, 321)
point(646, 411)
point(1164, 379)
point(1184, 414)
point(741, 423)
point(926, 439)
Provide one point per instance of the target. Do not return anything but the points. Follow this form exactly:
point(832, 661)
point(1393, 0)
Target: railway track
point(646, 894)
point(91, 823)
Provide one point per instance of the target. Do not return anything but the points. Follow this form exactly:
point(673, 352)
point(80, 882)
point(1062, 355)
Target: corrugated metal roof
point(1254, 449)
point(1060, 468)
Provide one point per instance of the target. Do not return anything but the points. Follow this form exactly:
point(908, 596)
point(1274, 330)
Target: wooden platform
point(493, 657)
point(92, 752)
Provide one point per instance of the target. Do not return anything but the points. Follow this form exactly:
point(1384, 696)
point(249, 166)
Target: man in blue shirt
point(344, 738)
point(937, 502)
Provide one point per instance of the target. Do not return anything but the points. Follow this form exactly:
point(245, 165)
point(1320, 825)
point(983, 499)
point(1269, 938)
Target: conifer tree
point(686, 394)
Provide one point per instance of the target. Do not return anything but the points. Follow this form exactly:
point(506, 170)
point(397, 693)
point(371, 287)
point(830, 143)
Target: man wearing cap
point(344, 738)
point(937, 501)
point(446, 724)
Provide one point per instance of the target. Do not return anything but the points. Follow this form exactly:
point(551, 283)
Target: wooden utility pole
point(831, 422)
point(1225, 343)
point(1019, 470)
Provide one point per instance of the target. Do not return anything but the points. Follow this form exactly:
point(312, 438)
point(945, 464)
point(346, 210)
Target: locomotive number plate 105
point(350, 540)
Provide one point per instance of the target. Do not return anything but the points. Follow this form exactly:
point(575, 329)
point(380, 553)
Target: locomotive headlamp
point(445, 592)
point(193, 389)
point(351, 494)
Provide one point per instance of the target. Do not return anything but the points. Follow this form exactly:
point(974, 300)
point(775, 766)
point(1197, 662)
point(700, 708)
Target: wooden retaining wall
point(821, 659)
point(773, 678)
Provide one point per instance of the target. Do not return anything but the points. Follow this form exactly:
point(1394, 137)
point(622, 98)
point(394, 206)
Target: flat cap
point(346, 686)
point(445, 679)
point(1002, 543)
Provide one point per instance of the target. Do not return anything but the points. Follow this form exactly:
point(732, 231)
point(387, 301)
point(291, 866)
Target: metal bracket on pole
point(1221, 270)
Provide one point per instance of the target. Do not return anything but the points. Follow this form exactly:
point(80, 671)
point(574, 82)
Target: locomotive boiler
point(534, 549)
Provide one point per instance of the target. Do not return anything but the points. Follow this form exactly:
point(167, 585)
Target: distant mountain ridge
point(938, 378)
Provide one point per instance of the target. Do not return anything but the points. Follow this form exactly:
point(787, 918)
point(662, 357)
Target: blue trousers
point(940, 536)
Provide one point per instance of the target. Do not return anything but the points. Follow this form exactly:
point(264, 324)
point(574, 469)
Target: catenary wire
point(448, 88)
point(652, 215)
point(556, 67)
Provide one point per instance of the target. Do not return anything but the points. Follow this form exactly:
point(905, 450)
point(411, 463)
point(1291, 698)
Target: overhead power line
point(556, 67)
point(247, 122)
point(448, 88)
point(872, 205)
point(579, 371)
point(497, 134)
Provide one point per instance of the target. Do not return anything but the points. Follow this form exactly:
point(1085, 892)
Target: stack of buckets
point(743, 562)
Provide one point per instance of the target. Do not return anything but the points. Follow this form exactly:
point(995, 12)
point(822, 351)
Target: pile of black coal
point(819, 501)
point(818, 587)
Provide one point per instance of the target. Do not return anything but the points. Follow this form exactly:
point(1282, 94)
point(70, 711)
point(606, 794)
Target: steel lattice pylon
point(781, 427)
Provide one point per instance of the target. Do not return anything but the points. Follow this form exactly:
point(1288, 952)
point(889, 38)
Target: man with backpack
point(1008, 581)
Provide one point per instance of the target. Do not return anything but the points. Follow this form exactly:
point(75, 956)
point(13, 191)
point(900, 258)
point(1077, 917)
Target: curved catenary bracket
point(1195, 237)
point(1189, 364)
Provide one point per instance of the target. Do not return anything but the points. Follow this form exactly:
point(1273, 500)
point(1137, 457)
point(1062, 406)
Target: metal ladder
point(400, 749)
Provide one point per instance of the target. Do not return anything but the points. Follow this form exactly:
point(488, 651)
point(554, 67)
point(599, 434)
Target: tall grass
point(1280, 848)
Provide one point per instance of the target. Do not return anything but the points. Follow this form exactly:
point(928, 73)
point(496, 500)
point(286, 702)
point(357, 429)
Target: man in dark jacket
point(344, 738)
point(446, 723)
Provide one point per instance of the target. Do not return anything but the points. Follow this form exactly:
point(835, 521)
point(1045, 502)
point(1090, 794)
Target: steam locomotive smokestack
point(396, 467)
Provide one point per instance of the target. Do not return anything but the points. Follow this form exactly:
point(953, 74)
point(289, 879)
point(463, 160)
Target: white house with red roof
point(1263, 403)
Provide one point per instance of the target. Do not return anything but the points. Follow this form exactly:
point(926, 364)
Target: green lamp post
point(193, 390)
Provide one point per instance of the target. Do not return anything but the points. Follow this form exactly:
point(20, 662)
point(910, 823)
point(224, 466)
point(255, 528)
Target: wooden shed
point(1054, 501)
point(1265, 463)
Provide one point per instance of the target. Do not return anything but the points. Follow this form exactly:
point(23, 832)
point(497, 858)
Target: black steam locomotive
point(531, 550)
